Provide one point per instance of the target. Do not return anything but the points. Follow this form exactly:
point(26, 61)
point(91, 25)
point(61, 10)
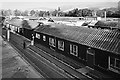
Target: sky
point(59, 0)
point(53, 4)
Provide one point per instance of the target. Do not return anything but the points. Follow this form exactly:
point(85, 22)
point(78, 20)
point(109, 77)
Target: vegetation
point(110, 12)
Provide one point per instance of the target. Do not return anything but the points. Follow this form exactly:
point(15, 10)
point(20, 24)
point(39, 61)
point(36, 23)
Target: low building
point(97, 48)
point(28, 26)
point(104, 24)
point(15, 25)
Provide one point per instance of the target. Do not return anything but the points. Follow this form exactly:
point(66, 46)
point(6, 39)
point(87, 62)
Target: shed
point(15, 25)
point(28, 27)
point(104, 24)
point(101, 39)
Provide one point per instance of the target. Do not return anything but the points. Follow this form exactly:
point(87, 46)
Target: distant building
point(59, 12)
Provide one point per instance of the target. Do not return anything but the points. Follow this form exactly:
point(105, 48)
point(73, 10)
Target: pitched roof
point(104, 24)
point(24, 23)
point(16, 22)
point(97, 38)
point(29, 24)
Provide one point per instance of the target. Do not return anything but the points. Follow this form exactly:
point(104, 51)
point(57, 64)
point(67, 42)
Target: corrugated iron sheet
point(16, 22)
point(97, 38)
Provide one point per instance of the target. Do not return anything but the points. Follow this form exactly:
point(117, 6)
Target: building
point(15, 25)
point(104, 24)
point(28, 26)
point(98, 49)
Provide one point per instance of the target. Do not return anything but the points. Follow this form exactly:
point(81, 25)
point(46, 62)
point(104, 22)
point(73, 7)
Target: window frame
point(114, 67)
point(18, 29)
point(59, 45)
point(8, 25)
point(116, 63)
point(74, 51)
point(44, 38)
point(52, 42)
point(15, 28)
point(37, 36)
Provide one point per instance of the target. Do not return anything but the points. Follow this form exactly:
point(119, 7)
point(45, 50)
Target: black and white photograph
point(60, 39)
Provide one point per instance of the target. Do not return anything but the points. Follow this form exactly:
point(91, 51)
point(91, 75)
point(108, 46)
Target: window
point(44, 38)
point(74, 50)
point(114, 64)
point(52, 42)
point(90, 51)
point(118, 63)
point(7, 25)
point(18, 29)
point(10, 26)
point(15, 28)
point(112, 61)
point(61, 45)
point(37, 35)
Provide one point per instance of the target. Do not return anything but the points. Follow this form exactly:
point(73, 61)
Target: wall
point(101, 59)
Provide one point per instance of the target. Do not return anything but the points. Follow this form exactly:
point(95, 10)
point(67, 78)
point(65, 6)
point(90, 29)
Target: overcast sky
point(52, 4)
point(58, 0)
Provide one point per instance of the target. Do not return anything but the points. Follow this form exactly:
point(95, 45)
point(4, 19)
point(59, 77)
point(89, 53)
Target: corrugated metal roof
point(24, 23)
point(106, 24)
point(97, 38)
point(33, 24)
point(103, 24)
point(16, 22)
point(29, 24)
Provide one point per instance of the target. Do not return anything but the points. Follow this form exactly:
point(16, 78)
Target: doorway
point(90, 57)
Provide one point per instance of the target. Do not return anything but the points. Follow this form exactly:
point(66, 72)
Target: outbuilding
point(103, 24)
point(97, 48)
point(28, 26)
point(15, 25)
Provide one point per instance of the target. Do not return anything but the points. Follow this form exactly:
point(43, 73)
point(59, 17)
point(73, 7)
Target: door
point(90, 57)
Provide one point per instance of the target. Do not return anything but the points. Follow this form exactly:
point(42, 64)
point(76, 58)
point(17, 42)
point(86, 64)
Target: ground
point(12, 65)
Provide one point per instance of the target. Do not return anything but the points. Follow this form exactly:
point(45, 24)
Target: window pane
point(37, 35)
point(75, 53)
point(70, 48)
point(117, 63)
point(61, 45)
point(53, 42)
point(112, 61)
point(74, 48)
point(44, 38)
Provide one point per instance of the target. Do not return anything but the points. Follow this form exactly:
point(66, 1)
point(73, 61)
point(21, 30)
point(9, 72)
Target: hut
point(97, 48)
point(28, 26)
